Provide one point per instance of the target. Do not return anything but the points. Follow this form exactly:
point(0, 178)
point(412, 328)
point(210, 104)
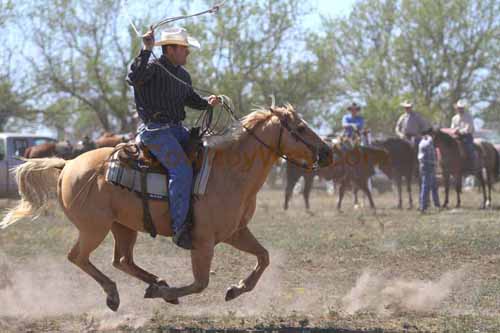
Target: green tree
point(85, 57)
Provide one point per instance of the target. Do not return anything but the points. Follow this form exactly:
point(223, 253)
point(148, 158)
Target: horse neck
point(445, 144)
point(246, 163)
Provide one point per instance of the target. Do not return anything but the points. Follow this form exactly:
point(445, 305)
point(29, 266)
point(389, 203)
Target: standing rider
point(162, 88)
point(411, 124)
point(463, 124)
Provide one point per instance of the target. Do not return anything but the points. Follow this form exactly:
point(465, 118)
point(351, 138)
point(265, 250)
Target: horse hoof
point(151, 291)
point(165, 284)
point(230, 294)
point(113, 302)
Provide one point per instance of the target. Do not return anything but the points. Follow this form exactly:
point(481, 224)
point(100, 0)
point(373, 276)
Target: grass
point(317, 258)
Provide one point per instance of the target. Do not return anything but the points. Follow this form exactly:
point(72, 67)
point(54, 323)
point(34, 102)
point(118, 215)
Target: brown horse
point(491, 165)
point(240, 167)
point(62, 149)
point(453, 161)
point(108, 139)
point(353, 167)
point(403, 164)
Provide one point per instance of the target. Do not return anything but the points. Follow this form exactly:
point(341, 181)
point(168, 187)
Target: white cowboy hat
point(177, 36)
point(460, 105)
point(406, 104)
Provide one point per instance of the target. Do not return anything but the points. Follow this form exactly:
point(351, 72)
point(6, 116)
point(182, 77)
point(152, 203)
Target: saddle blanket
point(156, 183)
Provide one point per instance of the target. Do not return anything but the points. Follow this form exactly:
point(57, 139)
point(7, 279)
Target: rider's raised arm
point(141, 71)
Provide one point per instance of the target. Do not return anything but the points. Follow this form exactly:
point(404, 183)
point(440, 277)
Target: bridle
point(296, 135)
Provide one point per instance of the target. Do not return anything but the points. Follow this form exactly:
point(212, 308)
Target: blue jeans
point(165, 144)
point(429, 184)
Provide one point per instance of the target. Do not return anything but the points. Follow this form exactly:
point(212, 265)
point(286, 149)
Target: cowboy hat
point(354, 106)
point(177, 36)
point(460, 105)
point(406, 104)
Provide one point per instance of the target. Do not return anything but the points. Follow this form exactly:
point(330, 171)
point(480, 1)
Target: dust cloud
point(386, 296)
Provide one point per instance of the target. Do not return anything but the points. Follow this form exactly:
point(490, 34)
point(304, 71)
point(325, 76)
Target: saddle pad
point(157, 184)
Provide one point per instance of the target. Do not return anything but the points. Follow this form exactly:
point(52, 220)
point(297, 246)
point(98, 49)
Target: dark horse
point(353, 167)
point(453, 161)
point(404, 164)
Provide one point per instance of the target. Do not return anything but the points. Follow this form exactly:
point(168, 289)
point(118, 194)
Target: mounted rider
point(162, 88)
point(411, 125)
point(354, 124)
point(463, 124)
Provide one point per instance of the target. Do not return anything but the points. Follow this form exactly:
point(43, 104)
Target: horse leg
point(308, 182)
point(483, 187)
point(458, 189)
point(123, 260)
point(245, 241)
point(408, 189)
point(355, 196)
point(399, 181)
point(489, 181)
point(290, 184)
point(446, 183)
point(341, 195)
point(201, 260)
point(364, 187)
point(79, 255)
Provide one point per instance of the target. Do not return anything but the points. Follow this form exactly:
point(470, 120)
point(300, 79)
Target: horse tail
point(37, 183)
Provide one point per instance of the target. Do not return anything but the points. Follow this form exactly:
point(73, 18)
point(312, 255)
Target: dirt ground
point(389, 271)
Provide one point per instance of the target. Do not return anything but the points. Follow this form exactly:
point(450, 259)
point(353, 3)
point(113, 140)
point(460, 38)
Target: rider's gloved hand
point(148, 39)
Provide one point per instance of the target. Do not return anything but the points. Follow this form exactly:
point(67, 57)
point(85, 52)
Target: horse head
point(297, 141)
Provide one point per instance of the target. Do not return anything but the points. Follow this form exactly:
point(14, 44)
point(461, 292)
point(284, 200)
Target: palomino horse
point(453, 162)
point(240, 167)
point(353, 167)
point(403, 164)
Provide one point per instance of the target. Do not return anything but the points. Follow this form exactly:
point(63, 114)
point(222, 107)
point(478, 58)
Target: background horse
point(353, 168)
point(453, 161)
point(240, 167)
point(491, 163)
point(108, 139)
point(62, 149)
point(403, 164)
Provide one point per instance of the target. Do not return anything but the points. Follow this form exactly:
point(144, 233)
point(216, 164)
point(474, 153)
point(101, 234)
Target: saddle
point(132, 166)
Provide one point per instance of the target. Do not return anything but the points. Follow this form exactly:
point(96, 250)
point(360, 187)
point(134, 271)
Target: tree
point(362, 45)
point(444, 48)
point(13, 99)
point(85, 57)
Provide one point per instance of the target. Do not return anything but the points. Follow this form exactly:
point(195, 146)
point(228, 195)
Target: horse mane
point(240, 129)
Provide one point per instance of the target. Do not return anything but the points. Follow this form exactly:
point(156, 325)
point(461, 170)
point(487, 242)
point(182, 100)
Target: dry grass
point(394, 270)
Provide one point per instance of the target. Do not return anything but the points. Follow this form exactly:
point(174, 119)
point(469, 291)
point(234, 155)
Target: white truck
point(12, 146)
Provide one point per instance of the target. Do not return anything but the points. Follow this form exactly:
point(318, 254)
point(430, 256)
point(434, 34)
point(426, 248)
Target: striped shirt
point(159, 97)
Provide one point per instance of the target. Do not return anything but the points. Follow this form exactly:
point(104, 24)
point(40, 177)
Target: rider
point(162, 88)
point(463, 124)
point(411, 124)
point(353, 123)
